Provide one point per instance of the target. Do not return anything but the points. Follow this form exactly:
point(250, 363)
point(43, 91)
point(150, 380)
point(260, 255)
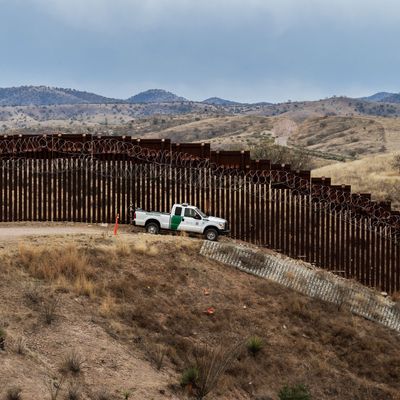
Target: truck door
point(192, 221)
point(176, 218)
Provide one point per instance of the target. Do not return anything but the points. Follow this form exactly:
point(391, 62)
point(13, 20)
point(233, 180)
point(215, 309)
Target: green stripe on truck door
point(175, 222)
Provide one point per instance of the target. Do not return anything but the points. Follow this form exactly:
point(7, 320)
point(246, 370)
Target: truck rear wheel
point(152, 228)
point(211, 234)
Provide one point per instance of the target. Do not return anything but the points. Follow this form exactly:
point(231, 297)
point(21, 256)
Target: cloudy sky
point(249, 50)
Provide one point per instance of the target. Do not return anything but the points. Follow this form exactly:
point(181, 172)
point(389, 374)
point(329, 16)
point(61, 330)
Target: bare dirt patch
point(14, 231)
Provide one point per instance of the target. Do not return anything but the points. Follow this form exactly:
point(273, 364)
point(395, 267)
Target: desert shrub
point(297, 158)
point(32, 294)
point(157, 353)
point(254, 345)
point(49, 309)
point(126, 394)
point(73, 362)
point(103, 395)
point(297, 392)
point(14, 393)
point(210, 363)
point(73, 392)
point(20, 345)
point(190, 377)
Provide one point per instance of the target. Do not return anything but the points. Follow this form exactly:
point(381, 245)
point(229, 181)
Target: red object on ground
point(210, 311)
point(116, 225)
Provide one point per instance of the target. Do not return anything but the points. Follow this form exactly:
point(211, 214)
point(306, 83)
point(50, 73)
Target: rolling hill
point(394, 98)
point(380, 96)
point(155, 96)
point(107, 317)
point(44, 95)
point(217, 101)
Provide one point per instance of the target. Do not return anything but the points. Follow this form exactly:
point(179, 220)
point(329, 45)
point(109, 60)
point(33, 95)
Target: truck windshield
point(201, 213)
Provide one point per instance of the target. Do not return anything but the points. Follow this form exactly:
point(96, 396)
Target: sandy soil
point(16, 231)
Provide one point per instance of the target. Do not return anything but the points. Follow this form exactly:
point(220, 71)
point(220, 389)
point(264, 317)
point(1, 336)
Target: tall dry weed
point(84, 286)
point(210, 364)
point(108, 307)
point(141, 246)
point(122, 249)
point(51, 263)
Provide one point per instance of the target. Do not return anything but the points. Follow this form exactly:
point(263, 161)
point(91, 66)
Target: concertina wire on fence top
point(14, 150)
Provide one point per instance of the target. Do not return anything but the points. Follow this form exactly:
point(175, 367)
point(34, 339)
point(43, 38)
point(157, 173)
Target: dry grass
point(108, 306)
point(49, 309)
point(349, 136)
point(20, 346)
point(374, 175)
point(52, 263)
point(74, 392)
point(83, 286)
point(73, 363)
point(157, 353)
point(122, 248)
point(209, 365)
point(157, 306)
point(142, 246)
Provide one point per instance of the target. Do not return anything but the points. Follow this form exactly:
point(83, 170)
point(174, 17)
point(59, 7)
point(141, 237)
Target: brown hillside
point(351, 136)
point(121, 303)
point(375, 175)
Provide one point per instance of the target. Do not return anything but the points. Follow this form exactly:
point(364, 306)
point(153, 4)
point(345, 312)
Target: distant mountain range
point(383, 97)
point(217, 101)
point(45, 95)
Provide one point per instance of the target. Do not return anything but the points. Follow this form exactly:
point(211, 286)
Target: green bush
point(297, 392)
point(190, 376)
point(254, 345)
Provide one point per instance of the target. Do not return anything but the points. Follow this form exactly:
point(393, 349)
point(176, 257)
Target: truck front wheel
point(152, 228)
point(211, 234)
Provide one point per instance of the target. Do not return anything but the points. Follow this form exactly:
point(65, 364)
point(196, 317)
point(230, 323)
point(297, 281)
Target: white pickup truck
point(183, 217)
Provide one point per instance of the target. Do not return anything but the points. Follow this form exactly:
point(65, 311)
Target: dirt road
point(11, 232)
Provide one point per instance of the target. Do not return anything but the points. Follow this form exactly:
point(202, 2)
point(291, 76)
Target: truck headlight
point(222, 225)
